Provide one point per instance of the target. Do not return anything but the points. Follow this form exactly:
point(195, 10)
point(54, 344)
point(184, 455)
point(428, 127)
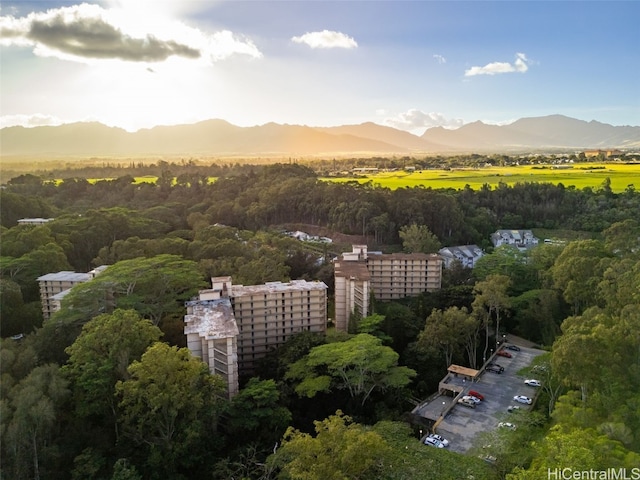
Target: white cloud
point(440, 59)
point(521, 65)
point(35, 120)
point(415, 121)
point(89, 32)
point(326, 39)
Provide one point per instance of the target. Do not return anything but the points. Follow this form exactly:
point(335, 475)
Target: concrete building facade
point(232, 326)
point(360, 273)
point(212, 332)
point(34, 221)
point(54, 287)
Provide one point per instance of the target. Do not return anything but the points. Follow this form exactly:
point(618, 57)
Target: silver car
point(522, 399)
point(433, 442)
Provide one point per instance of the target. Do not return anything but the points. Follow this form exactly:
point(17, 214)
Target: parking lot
point(462, 424)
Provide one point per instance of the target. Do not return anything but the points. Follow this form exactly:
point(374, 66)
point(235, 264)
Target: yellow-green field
point(579, 176)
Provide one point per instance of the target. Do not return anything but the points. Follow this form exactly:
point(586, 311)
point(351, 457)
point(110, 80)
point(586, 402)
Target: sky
point(411, 65)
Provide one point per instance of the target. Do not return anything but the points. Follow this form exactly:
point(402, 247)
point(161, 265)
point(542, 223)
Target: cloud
point(415, 120)
point(440, 58)
point(520, 65)
point(85, 31)
point(326, 39)
point(35, 120)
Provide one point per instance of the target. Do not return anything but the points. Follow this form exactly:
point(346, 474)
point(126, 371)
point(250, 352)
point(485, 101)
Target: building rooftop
point(404, 256)
point(65, 276)
point(276, 287)
point(211, 319)
point(351, 269)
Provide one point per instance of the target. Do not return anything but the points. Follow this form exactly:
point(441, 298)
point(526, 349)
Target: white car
point(508, 425)
point(440, 438)
point(532, 383)
point(523, 399)
point(433, 442)
point(475, 400)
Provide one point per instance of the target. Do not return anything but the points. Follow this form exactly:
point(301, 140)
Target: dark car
point(513, 348)
point(494, 369)
point(503, 353)
point(497, 365)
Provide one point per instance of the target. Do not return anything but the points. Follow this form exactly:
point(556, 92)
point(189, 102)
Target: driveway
point(462, 424)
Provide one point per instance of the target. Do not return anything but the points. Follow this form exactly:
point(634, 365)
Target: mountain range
point(221, 138)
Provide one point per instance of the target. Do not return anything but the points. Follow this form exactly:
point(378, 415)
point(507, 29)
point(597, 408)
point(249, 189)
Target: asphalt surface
point(462, 424)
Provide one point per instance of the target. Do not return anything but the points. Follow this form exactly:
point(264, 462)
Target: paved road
point(462, 424)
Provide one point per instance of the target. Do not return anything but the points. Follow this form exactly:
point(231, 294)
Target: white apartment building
point(54, 286)
point(212, 332)
point(265, 317)
point(34, 221)
point(359, 274)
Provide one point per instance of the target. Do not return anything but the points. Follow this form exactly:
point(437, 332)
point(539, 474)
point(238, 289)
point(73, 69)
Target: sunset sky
point(410, 65)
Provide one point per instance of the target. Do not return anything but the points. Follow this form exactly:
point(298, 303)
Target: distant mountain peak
point(217, 137)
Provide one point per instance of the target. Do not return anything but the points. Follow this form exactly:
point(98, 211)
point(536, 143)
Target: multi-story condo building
point(54, 286)
point(359, 274)
point(352, 286)
point(212, 333)
point(265, 317)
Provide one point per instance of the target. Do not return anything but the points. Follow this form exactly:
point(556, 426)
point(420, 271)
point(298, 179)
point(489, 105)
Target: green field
point(580, 176)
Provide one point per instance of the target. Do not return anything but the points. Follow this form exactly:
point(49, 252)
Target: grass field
point(579, 176)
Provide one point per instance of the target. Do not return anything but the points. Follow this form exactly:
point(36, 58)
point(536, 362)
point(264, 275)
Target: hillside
point(218, 137)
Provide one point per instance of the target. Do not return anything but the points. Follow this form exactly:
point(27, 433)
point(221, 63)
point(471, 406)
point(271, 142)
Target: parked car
point(513, 348)
point(493, 364)
point(512, 408)
point(433, 442)
point(472, 398)
point(467, 402)
point(473, 393)
point(532, 383)
point(508, 425)
point(523, 399)
point(502, 353)
point(494, 369)
point(440, 438)
point(488, 458)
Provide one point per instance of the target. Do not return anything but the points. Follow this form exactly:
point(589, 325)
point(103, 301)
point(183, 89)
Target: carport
point(456, 379)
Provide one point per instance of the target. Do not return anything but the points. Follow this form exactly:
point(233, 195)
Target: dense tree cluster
point(106, 390)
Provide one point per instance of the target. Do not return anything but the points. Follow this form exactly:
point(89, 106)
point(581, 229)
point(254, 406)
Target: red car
point(473, 393)
point(503, 353)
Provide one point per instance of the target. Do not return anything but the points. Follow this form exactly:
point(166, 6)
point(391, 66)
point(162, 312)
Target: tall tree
point(170, 406)
point(255, 413)
point(100, 356)
point(360, 365)
point(446, 331)
point(31, 420)
point(491, 298)
point(340, 450)
point(577, 272)
point(154, 287)
point(418, 239)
